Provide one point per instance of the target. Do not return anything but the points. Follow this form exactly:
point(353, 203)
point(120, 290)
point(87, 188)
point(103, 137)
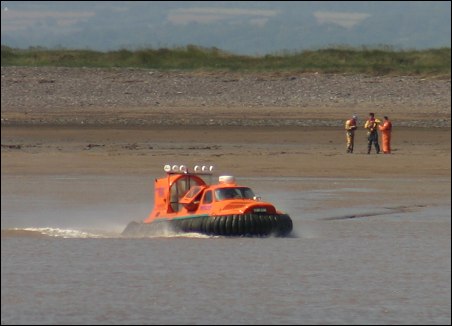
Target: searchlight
point(203, 169)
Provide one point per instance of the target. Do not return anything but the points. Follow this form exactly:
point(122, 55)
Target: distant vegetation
point(382, 61)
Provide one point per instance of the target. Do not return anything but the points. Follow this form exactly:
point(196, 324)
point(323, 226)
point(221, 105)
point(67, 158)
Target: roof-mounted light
point(226, 179)
point(203, 168)
point(168, 168)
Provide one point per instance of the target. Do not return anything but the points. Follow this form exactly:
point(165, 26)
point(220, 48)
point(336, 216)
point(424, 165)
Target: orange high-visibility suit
point(386, 129)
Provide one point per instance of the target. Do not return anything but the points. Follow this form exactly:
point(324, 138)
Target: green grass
point(382, 61)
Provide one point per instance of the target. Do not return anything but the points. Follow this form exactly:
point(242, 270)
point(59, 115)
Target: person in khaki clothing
point(350, 127)
point(372, 133)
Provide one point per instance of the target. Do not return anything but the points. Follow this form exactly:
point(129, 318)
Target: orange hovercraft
point(184, 202)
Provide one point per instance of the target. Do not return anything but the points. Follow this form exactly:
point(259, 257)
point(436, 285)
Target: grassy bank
point(334, 60)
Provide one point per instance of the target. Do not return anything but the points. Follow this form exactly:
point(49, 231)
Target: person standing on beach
point(386, 129)
point(350, 127)
point(372, 133)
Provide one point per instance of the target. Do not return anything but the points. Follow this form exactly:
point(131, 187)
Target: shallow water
point(64, 262)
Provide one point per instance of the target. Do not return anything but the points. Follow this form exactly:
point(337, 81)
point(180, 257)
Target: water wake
point(49, 232)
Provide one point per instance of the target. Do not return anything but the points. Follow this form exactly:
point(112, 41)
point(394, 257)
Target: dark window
point(234, 193)
point(207, 197)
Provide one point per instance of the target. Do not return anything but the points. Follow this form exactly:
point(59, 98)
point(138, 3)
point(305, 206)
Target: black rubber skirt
point(259, 225)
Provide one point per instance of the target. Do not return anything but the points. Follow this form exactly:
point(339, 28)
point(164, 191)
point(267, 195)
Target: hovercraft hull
point(251, 225)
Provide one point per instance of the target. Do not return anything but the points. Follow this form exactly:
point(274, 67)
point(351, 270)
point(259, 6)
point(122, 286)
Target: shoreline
point(313, 151)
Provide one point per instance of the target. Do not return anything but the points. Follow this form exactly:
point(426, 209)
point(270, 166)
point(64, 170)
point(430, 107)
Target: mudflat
point(132, 122)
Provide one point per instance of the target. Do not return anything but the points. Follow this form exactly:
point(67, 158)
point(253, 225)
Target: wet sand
point(419, 155)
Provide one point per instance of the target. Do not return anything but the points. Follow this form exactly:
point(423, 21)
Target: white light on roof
point(183, 168)
point(226, 179)
point(206, 168)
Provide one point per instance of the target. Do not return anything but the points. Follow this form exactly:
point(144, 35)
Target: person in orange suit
point(386, 129)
